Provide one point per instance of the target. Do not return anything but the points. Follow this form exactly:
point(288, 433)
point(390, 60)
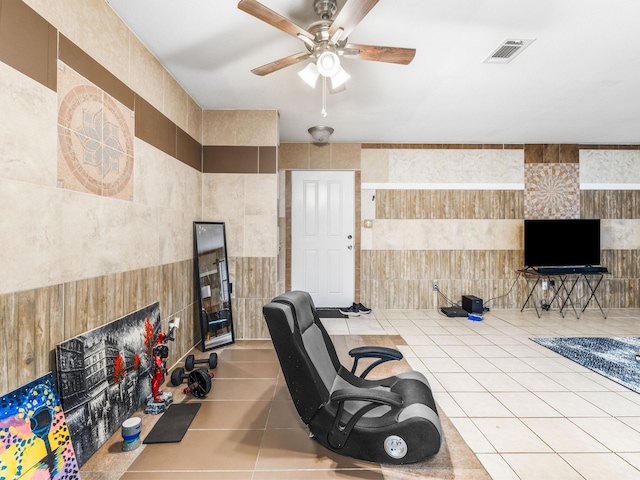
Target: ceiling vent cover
point(509, 49)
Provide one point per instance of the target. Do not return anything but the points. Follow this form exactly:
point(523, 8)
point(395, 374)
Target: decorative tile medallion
point(552, 190)
point(95, 139)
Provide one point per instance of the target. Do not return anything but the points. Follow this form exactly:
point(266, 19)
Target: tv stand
point(567, 279)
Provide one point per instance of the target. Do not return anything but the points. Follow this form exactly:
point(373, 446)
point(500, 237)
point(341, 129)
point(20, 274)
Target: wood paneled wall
point(610, 204)
point(404, 278)
point(254, 285)
point(33, 322)
point(449, 204)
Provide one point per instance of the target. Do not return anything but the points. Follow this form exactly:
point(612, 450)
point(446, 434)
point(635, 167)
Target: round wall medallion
point(96, 141)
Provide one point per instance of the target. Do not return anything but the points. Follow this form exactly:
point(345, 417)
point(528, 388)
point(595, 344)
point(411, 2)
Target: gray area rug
point(615, 358)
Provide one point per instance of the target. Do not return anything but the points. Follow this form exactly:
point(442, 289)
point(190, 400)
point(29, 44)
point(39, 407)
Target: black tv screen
point(552, 243)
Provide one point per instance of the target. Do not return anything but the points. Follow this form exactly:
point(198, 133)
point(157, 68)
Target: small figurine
point(159, 400)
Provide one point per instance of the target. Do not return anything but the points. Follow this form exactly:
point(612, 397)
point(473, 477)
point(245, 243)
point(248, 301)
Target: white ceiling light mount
point(320, 134)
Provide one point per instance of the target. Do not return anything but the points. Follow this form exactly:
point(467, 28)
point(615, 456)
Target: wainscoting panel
point(33, 322)
point(449, 204)
point(254, 285)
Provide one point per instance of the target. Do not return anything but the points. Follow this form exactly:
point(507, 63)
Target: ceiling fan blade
point(281, 63)
point(402, 56)
point(272, 18)
point(351, 15)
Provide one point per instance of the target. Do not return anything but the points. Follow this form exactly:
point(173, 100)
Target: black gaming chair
point(393, 420)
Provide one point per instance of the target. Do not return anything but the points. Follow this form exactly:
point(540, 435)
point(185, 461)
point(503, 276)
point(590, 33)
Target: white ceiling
point(579, 82)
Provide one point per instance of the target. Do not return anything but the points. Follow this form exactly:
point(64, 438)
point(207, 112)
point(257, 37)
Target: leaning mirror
point(212, 284)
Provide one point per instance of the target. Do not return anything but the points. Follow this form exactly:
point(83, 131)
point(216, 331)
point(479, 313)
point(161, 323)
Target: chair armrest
point(383, 354)
point(382, 397)
point(343, 423)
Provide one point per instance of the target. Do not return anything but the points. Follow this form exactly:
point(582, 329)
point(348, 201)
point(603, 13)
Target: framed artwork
point(34, 436)
point(104, 376)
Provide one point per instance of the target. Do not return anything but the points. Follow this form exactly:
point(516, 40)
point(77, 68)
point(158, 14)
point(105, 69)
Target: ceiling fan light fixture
point(328, 63)
point(339, 79)
point(320, 134)
point(310, 74)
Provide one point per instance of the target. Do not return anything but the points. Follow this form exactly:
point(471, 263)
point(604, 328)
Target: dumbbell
point(198, 381)
point(191, 362)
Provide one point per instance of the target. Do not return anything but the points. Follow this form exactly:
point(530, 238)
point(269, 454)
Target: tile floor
point(526, 412)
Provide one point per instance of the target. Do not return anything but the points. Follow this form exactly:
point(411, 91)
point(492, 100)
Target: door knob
point(350, 247)
point(349, 237)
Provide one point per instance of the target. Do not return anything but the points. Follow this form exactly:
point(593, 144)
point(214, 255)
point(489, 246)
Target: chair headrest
point(303, 307)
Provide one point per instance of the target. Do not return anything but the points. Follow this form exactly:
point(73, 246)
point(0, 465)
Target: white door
point(322, 236)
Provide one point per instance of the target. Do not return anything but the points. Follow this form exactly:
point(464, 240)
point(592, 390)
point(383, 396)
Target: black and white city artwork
point(104, 376)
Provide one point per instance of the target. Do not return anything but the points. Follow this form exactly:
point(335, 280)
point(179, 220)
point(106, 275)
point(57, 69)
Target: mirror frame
point(206, 343)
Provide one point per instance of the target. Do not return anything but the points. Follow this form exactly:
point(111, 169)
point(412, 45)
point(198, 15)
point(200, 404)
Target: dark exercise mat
point(173, 424)
point(329, 313)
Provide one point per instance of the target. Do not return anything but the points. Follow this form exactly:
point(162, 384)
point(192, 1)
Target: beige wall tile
point(69, 223)
point(27, 107)
point(194, 119)
point(235, 235)
point(447, 234)
point(147, 74)
point(148, 174)
point(345, 156)
point(293, 156)
point(260, 194)
point(219, 127)
point(620, 234)
point(367, 204)
point(222, 196)
point(610, 167)
point(375, 165)
point(94, 27)
point(261, 236)
point(319, 157)
point(456, 166)
point(175, 102)
point(281, 194)
point(257, 128)
point(248, 204)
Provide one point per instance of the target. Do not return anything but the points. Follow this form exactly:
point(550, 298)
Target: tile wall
point(453, 214)
point(77, 254)
point(86, 241)
point(110, 188)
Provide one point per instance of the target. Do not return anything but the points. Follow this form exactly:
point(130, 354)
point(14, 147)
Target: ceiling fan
point(326, 41)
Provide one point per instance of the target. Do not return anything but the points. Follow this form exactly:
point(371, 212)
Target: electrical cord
point(451, 302)
point(486, 304)
point(447, 299)
point(501, 296)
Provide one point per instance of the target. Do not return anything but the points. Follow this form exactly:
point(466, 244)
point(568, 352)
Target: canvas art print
point(104, 376)
point(34, 437)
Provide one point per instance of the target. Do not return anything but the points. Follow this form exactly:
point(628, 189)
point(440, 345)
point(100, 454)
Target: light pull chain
point(324, 96)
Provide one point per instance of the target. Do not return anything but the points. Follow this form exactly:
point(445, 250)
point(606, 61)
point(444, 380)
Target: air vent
point(509, 49)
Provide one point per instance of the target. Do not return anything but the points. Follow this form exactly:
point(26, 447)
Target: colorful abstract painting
point(104, 376)
point(34, 437)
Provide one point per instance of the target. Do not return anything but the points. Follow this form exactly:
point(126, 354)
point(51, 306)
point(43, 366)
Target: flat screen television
point(561, 243)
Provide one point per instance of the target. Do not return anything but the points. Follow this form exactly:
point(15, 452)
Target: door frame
point(356, 229)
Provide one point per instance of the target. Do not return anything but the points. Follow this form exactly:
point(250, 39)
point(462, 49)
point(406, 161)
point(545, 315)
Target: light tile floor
point(527, 412)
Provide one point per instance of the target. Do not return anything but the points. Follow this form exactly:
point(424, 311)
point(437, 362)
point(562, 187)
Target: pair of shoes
point(355, 310)
point(361, 308)
point(351, 311)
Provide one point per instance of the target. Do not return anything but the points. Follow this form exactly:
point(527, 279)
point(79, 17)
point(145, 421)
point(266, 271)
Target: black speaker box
point(472, 304)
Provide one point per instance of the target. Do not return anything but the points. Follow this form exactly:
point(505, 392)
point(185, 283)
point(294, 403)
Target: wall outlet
point(544, 284)
point(435, 286)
